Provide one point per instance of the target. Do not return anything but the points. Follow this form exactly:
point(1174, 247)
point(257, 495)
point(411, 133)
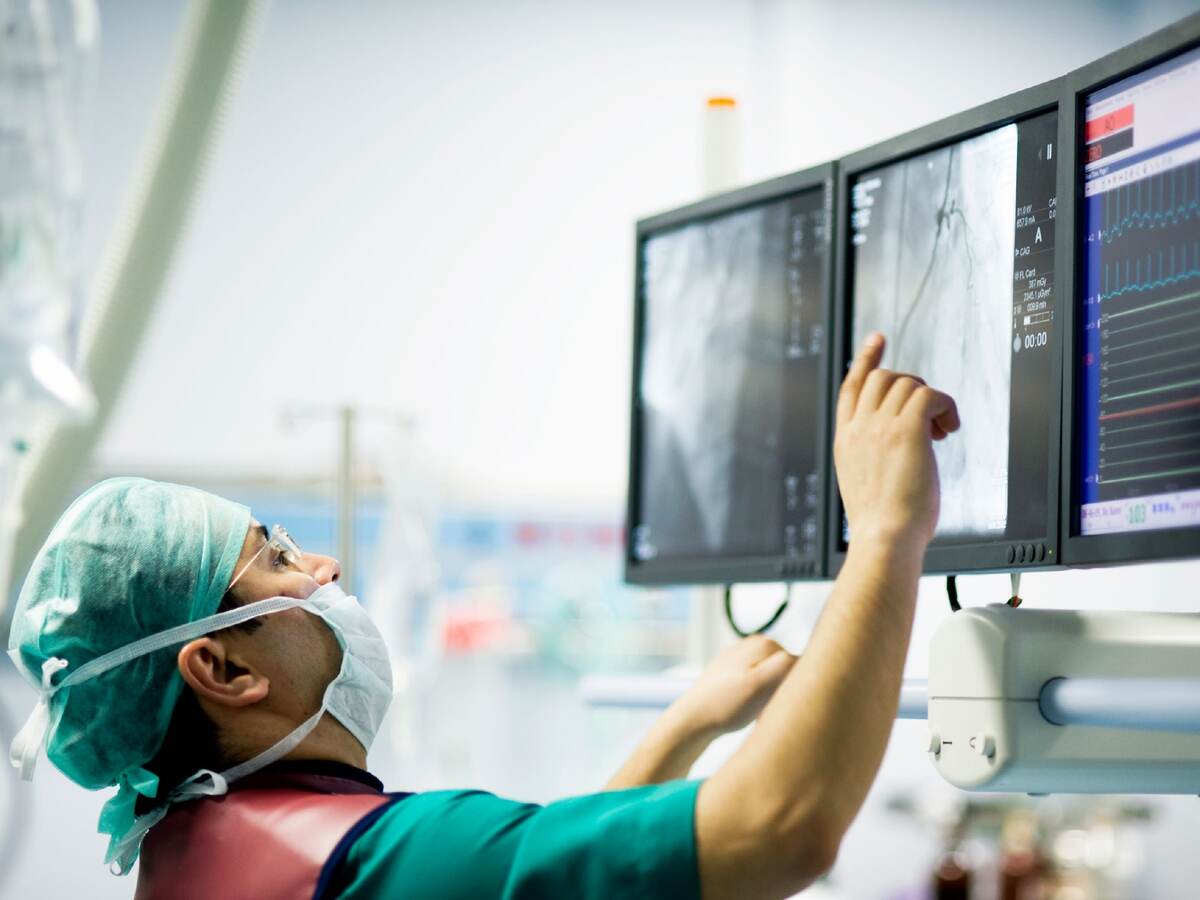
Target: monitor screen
point(732, 358)
point(1139, 370)
point(952, 258)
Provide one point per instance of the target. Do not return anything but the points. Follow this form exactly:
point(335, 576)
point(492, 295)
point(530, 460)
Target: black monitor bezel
point(1122, 547)
point(981, 556)
point(729, 570)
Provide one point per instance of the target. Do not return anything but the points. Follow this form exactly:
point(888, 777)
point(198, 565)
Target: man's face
point(296, 650)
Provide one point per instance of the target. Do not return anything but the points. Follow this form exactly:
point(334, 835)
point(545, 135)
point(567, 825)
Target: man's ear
point(209, 671)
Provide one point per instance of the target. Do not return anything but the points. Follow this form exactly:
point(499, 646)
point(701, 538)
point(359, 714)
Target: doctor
point(220, 678)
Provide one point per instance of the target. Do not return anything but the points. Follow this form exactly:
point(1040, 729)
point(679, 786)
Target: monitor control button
point(1041, 555)
point(1021, 553)
point(1012, 553)
point(1030, 553)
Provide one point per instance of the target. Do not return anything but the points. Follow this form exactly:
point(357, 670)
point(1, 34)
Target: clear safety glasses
point(281, 549)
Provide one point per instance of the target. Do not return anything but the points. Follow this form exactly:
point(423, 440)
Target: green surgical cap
point(128, 559)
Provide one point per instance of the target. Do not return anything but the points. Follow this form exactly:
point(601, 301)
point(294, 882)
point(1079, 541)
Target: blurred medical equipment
point(349, 420)
point(1047, 701)
point(1016, 847)
point(1038, 701)
point(47, 62)
point(721, 150)
point(207, 66)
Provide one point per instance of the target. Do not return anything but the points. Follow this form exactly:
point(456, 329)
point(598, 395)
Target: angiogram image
point(933, 269)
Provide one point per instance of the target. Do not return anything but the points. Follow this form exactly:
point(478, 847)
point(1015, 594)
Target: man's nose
point(323, 569)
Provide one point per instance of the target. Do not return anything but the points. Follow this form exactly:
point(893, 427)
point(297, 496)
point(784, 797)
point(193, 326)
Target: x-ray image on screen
point(733, 340)
point(711, 391)
point(933, 245)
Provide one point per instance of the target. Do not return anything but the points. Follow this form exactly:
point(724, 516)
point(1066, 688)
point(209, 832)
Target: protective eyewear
point(282, 550)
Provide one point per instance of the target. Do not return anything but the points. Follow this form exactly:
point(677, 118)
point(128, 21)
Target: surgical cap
point(128, 559)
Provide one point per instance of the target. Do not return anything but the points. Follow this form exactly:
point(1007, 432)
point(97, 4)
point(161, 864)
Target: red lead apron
point(269, 837)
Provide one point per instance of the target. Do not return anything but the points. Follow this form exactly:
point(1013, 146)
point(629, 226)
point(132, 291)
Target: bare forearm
point(772, 819)
point(804, 771)
point(667, 752)
point(824, 734)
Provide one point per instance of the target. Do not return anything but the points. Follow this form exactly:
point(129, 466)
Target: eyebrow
point(259, 555)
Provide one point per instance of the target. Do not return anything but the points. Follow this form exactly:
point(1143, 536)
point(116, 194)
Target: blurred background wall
point(426, 211)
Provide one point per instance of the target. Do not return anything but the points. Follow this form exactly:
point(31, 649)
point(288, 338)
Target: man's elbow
point(762, 847)
point(820, 857)
point(814, 842)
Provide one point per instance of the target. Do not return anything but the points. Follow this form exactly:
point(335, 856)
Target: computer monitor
point(946, 240)
point(1132, 454)
point(728, 439)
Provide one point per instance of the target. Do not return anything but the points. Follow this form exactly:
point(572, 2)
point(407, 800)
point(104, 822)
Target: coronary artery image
point(933, 245)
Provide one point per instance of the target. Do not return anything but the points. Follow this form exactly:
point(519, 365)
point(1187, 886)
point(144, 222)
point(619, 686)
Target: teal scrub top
point(449, 844)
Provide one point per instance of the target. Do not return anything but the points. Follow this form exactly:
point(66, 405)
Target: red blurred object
point(530, 534)
point(952, 878)
point(464, 631)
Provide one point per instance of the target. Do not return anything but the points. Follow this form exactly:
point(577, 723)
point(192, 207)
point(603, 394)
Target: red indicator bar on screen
point(1149, 410)
point(1108, 123)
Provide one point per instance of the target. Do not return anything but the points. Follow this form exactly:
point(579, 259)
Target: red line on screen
point(1147, 410)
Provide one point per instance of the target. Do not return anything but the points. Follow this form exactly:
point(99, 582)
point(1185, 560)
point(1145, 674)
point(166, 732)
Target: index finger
point(870, 352)
point(936, 407)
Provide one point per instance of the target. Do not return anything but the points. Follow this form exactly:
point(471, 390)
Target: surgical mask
point(358, 697)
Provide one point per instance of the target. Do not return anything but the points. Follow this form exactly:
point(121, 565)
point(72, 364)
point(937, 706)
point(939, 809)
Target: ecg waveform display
point(1140, 409)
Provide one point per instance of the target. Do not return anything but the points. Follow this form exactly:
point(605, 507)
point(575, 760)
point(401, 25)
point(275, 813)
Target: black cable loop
point(952, 591)
point(787, 598)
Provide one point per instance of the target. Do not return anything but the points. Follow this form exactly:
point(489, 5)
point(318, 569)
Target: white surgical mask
point(358, 697)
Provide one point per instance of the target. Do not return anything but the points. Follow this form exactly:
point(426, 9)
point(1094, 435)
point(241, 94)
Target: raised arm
point(727, 696)
point(770, 821)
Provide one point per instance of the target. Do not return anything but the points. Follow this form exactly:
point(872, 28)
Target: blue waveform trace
point(1137, 219)
point(1137, 288)
point(1146, 221)
point(1139, 285)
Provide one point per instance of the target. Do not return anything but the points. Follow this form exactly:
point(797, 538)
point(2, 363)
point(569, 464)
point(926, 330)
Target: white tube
point(207, 67)
point(633, 691)
point(660, 691)
point(721, 151)
point(1143, 704)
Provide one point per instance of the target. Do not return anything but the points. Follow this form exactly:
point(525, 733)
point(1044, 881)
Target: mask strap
point(177, 635)
point(125, 851)
point(204, 783)
point(30, 740)
point(274, 753)
point(25, 747)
